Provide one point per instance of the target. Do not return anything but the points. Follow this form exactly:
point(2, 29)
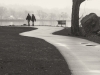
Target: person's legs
point(32, 23)
point(28, 23)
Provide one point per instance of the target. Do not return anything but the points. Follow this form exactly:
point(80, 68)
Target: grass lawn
point(67, 32)
point(20, 55)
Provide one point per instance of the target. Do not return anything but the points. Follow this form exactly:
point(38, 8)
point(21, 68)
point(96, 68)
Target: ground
point(67, 32)
point(20, 55)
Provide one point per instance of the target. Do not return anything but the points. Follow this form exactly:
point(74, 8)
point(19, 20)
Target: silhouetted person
point(28, 18)
point(33, 19)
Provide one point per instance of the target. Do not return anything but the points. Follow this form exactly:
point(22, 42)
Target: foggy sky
point(93, 4)
point(42, 3)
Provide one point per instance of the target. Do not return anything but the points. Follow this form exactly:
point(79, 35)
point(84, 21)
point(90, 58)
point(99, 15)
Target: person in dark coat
point(28, 18)
point(33, 19)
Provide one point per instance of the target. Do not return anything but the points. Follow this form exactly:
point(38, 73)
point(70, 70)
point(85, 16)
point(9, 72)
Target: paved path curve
point(82, 59)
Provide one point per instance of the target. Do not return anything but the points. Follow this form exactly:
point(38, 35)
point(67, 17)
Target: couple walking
point(29, 18)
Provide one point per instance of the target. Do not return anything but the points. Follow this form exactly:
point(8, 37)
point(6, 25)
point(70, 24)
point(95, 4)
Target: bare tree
point(75, 16)
point(64, 15)
point(2, 12)
point(52, 17)
point(42, 15)
point(13, 13)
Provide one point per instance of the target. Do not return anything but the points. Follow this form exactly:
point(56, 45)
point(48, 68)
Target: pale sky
point(94, 4)
point(42, 3)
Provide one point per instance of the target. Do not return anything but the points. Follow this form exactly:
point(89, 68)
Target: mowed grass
point(20, 55)
point(67, 32)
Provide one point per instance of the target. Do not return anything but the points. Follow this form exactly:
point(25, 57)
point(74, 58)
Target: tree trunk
point(75, 17)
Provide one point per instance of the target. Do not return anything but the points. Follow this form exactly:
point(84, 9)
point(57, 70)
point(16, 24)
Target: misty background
point(14, 9)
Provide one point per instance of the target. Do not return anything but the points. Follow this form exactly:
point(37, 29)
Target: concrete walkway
point(82, 59)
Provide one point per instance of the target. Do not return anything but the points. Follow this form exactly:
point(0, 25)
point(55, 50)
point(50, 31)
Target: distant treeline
point(20, 20)
point(9, 13)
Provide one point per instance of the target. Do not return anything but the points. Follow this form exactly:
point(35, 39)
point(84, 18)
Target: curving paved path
point(82, 59)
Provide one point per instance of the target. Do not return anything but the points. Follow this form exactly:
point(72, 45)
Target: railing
point(38, 22)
